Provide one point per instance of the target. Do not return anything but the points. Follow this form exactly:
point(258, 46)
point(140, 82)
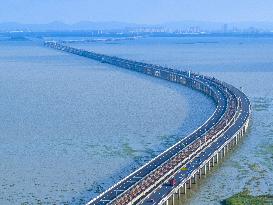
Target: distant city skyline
point(135, 11)
point(170, 27)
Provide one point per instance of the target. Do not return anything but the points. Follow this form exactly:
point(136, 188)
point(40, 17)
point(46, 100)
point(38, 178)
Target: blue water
point(200, 54)
point(71, 127)
point(245, 62)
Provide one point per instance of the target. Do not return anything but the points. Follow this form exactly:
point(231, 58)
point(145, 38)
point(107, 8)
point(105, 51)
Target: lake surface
point(242, 61)
point(71, 127)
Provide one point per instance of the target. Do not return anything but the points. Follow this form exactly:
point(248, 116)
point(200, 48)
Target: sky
point(135, 11)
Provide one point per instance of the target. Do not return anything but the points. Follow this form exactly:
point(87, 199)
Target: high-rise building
point(225, 28)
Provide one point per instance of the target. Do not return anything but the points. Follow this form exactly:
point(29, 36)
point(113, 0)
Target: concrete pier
point(202, 149)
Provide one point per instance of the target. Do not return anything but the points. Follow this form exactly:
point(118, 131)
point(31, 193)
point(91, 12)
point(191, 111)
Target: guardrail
point(194, 154)
point(210, 86)
point(182, 183)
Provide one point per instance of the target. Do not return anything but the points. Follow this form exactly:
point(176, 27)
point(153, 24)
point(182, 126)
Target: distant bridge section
point(170, 174)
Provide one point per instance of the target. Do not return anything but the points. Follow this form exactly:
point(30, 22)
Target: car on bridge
point(172, 181)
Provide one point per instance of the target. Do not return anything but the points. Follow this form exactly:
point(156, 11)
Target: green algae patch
point(244, 198)
point(128, 150)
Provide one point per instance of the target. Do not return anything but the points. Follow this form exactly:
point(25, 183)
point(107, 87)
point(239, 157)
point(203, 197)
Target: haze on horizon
point(135, 11)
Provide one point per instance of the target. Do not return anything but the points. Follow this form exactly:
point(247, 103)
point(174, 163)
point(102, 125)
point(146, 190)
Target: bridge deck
point(149, 181)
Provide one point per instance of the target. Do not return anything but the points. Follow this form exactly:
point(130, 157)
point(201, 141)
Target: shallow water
point(67, 134)
point(71, 127)
point(243, 62)
point(250, 166)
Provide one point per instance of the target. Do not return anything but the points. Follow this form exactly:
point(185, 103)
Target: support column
point(200, 173)
point(178, 192)
point(185, 188)
point(189, 183)
point(194, 178)
point(213, 160)
point(209, 165)
point(172, 199)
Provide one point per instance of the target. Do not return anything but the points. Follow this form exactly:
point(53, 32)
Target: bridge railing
point(246, 122)
point(227, 125)
point(164, 73)
point(173, 170)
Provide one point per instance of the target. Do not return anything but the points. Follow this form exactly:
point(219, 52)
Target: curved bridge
point(174, 171)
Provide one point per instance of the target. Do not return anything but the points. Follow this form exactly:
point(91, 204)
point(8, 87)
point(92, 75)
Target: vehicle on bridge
point(192, 156)
point(172, 181)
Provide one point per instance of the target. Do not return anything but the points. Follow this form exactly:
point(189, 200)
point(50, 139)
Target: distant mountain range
point(87, 25)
